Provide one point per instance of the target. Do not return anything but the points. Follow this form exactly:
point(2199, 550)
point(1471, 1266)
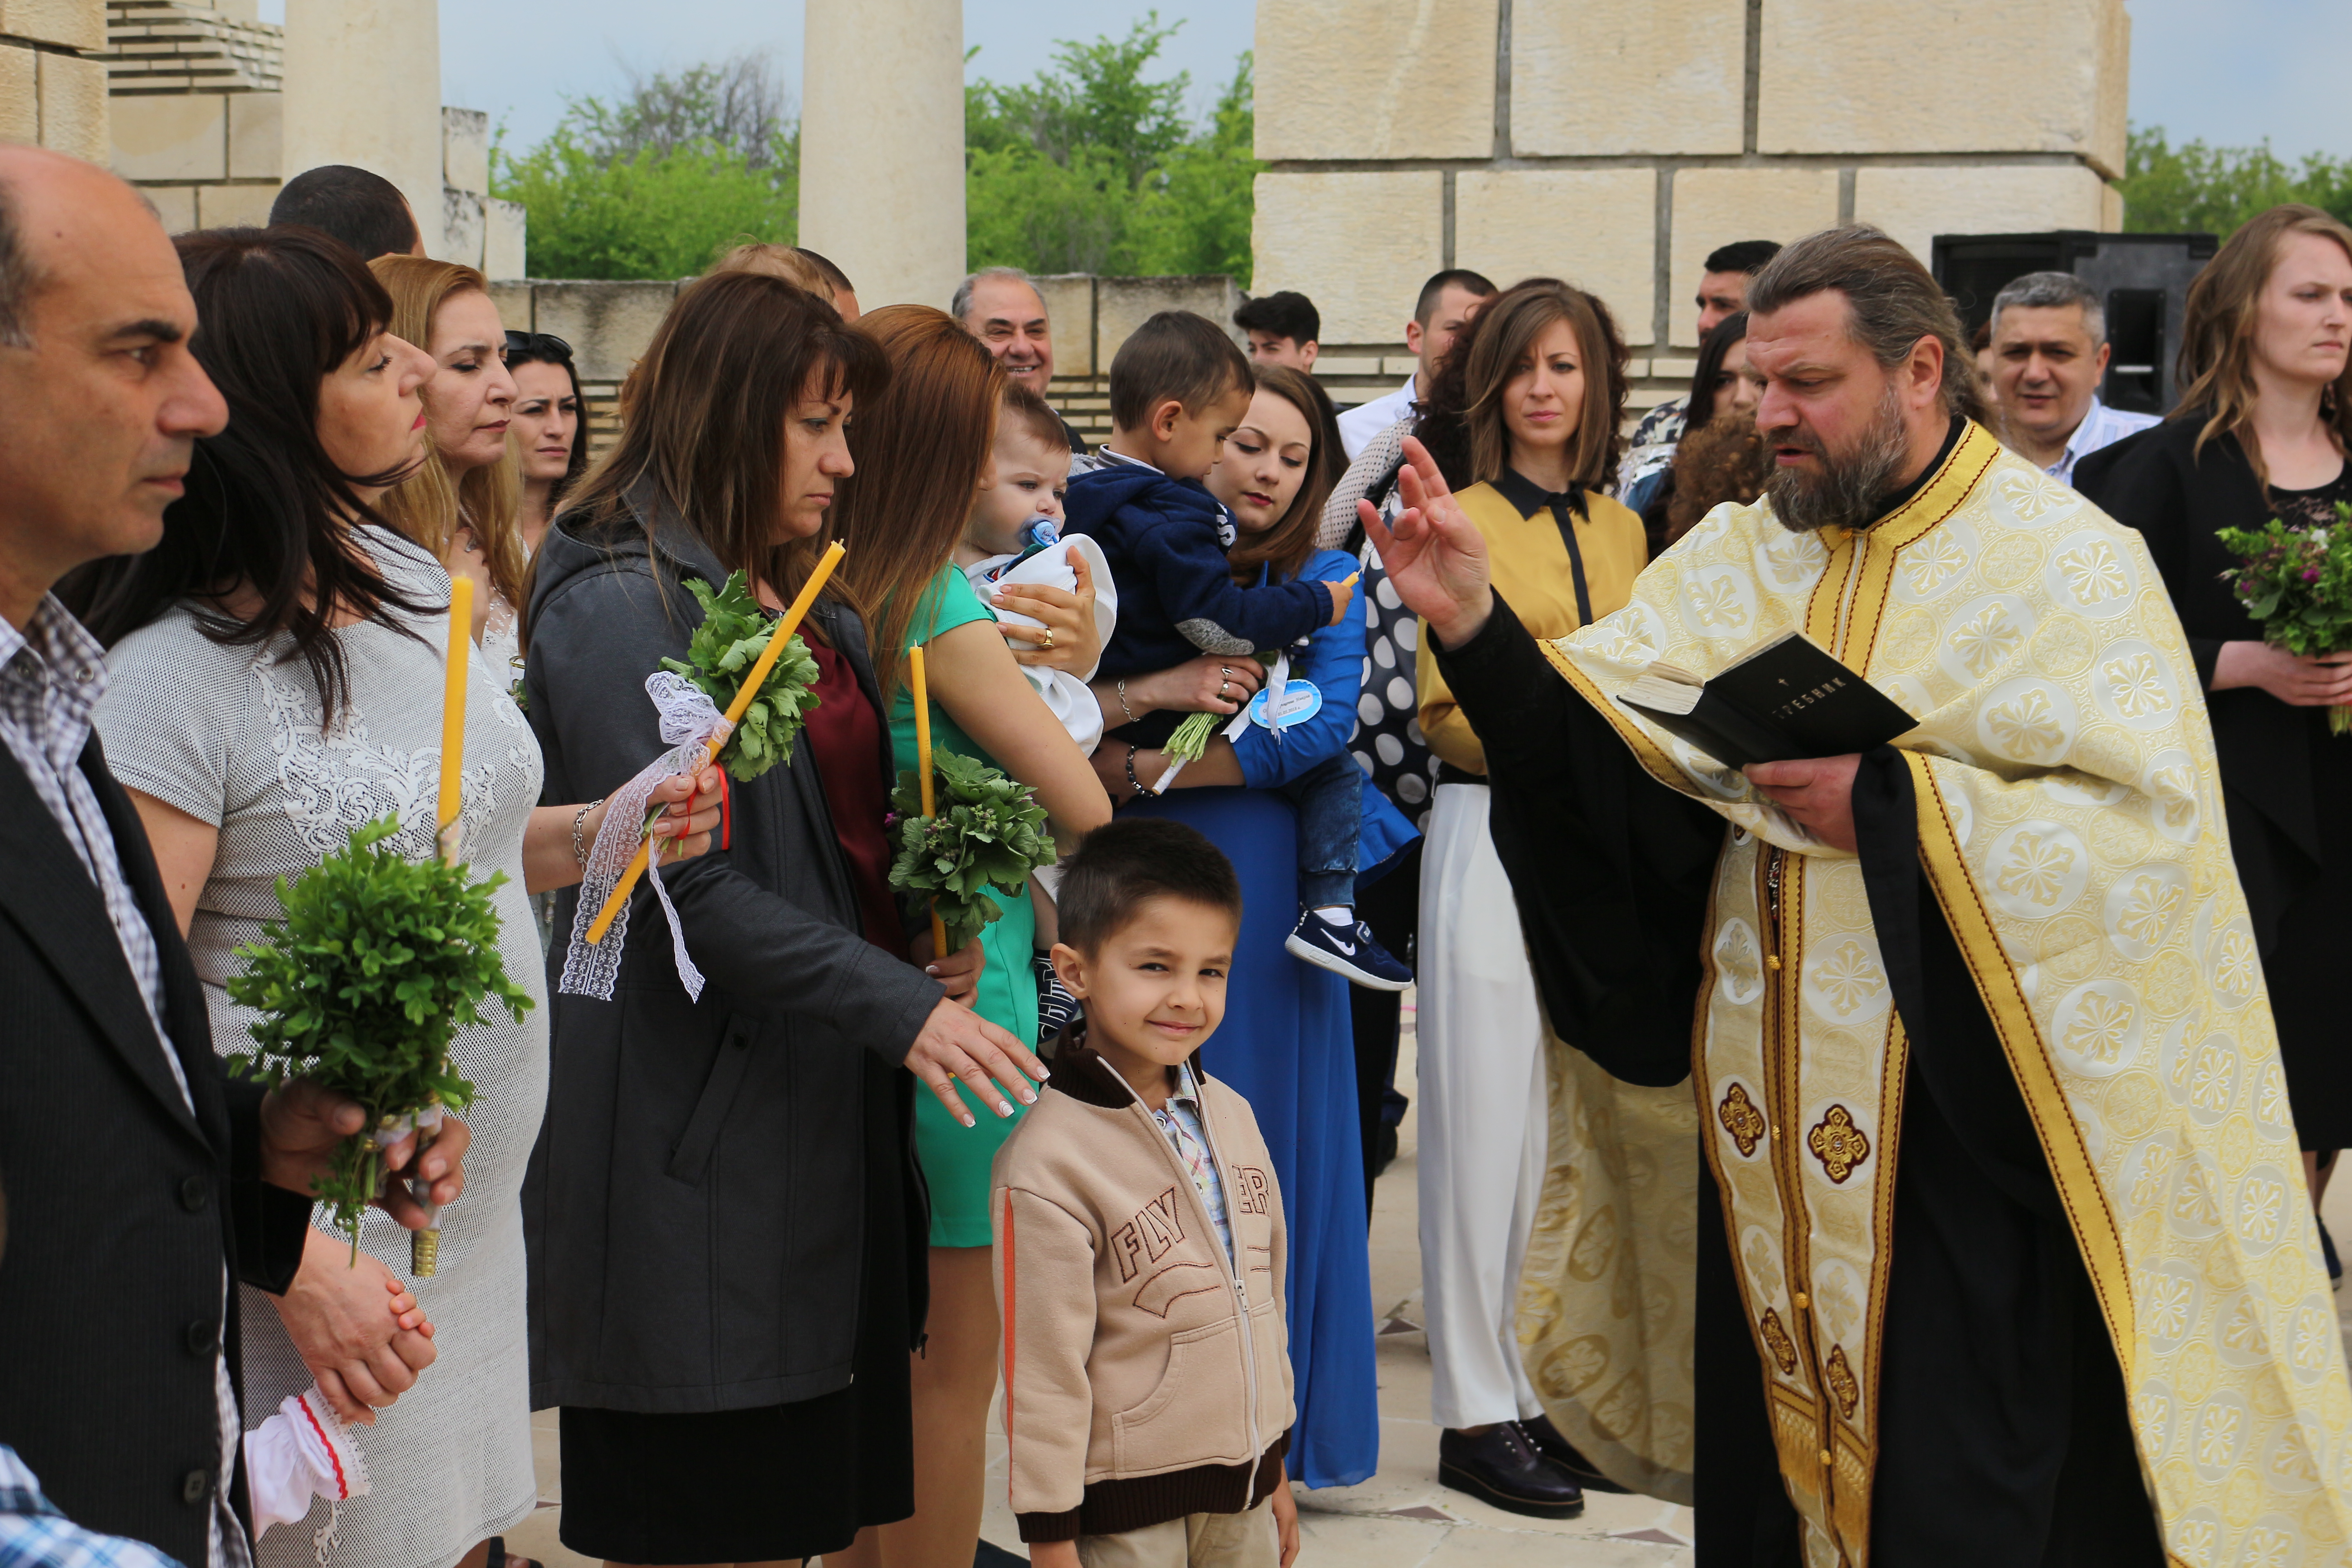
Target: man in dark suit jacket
point(141, 1182)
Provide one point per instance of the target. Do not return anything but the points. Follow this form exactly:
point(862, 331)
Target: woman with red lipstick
point(465, 502)
point(1532, 396)
point(923, 454)
point(728, 1236)
point(551, 427)
point(2262, 430)
point(277, 678)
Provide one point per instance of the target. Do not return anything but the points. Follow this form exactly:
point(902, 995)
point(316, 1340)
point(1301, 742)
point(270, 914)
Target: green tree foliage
point(1090, 168)
point(2196, 189)
point(1087, 168)
point(660, 181)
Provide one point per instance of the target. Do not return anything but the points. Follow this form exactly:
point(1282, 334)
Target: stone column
point(364, 87)
point(882, 145)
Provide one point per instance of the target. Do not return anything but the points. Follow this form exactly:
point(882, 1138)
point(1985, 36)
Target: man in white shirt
point(2049, 351)
point(1447, 302)
point(1722, 292)
point(1006, 311)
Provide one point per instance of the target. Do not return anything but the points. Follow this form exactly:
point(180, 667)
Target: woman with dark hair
point(923, 448)
point(1287, 1043)
point(277, 664)
point(727, 1232)
point(1530, 404)
point(549, 429)
point(1727, 462)
point(2261, 430)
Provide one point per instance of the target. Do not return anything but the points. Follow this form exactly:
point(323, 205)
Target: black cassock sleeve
point(1609, 868)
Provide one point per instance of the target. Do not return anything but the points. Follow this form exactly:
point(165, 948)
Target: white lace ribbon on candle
point(689, 723)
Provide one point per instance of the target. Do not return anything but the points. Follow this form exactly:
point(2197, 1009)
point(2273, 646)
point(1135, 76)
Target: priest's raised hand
point(1436, 559)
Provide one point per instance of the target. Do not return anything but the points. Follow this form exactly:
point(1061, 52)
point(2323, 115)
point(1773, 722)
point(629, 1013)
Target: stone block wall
point(196, 90)
point(1615, 142)
point(52, 81)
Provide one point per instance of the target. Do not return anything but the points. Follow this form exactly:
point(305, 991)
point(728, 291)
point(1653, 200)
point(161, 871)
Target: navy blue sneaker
point(1351, 950)
point(1056, 1006)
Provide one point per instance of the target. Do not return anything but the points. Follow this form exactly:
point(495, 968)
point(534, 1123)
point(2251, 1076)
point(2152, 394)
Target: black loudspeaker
point(2142, 277)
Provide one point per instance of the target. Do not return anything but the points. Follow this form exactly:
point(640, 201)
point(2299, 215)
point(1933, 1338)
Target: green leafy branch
point(734, 630)
point(373, 963)
point(987, 831)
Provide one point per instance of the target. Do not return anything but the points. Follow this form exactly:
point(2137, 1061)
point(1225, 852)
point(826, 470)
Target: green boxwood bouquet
point(2297, 582)
point(986, 831)
point(373, 962)
point(734, 629)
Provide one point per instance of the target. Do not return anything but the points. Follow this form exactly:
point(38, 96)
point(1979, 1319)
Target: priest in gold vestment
point(2007, 1257)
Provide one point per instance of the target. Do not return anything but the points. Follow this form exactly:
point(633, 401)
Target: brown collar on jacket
point(1081, 1072)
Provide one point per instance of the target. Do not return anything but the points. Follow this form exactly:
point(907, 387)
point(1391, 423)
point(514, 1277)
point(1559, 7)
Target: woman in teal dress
point(921, 450)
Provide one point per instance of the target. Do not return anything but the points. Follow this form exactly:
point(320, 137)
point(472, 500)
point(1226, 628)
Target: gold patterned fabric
point(2071, 829)
point(1608, 1294)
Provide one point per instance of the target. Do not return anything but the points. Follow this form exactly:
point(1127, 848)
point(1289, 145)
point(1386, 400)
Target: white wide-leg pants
point(1482, 1117)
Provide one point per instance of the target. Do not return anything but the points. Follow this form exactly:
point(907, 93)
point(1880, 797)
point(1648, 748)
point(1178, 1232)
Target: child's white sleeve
point(302, 1453)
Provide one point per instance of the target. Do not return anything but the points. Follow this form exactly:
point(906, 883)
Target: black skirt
point(2305, 967)
point(781, 1481)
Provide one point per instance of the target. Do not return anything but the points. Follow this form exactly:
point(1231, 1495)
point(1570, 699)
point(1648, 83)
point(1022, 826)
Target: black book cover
point(1787, 699)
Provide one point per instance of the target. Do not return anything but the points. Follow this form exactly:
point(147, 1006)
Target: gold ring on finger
point(1048, 640)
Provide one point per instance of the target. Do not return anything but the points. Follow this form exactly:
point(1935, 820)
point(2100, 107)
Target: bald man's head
point(100, 399)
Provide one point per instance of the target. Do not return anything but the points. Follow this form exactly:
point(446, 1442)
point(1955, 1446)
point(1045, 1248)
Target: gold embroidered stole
point(2071, 829)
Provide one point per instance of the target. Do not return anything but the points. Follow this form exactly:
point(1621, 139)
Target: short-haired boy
point(1139, 1241)
point(1178, 388)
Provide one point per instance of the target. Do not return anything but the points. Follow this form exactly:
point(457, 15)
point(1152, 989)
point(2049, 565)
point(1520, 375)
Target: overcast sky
point(2230, 73)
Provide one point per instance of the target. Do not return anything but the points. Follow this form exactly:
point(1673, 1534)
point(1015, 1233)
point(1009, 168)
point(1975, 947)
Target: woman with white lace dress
point(275, 681)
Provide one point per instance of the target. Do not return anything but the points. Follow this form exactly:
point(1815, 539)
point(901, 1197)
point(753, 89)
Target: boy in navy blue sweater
point(1179, 386)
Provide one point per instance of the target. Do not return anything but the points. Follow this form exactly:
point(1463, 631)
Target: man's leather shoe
point(1504, 1469)
point(1561, 1452)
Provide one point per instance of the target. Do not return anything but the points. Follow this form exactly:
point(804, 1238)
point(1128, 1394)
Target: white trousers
point(1482, 1117)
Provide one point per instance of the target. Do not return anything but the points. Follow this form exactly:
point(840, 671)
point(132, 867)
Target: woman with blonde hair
point(2261, 430)
point(1527, 408)
point(922, 449)
point(465, 504)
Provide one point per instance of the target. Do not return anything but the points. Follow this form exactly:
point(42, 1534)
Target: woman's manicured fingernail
point(965, 1116)
point(1002, 1108)
point(931, 969)
point(1028, 1097)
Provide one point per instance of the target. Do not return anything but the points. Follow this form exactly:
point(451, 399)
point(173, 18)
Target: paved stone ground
point(1401, 1518)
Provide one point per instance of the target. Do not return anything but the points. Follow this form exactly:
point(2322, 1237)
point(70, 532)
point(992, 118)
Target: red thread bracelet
point(725, 813)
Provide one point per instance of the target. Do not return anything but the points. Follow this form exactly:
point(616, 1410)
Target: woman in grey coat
point(726, 1227)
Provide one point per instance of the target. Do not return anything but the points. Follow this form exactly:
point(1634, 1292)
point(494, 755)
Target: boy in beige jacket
point(1139, 1241)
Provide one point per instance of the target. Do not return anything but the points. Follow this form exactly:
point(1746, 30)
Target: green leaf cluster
point(663, 211)
point(374, 962)
point(1090, 168)
point(2196, 189)
point(2297, 582)
point(734, 631)
point(987, 831)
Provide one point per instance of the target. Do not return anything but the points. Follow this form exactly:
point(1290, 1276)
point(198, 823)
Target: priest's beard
point(1851, 485)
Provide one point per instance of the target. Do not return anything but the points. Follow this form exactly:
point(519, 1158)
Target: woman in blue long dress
point(1288, 1042)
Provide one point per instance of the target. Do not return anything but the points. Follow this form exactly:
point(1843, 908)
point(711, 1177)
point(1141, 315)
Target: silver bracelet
point(1122, 702)
point(580, 850)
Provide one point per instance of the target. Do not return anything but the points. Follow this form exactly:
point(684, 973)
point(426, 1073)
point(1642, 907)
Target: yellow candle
point(735, 710)
point(453, 712)
point(918, 690)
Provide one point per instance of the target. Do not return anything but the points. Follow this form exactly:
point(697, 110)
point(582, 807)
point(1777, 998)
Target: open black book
point(1779, 702)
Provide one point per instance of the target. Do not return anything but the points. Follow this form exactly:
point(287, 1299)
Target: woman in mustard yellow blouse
point(1528, 406)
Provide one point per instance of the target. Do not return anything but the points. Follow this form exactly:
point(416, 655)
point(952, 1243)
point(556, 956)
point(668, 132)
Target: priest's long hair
point(1896, 302)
